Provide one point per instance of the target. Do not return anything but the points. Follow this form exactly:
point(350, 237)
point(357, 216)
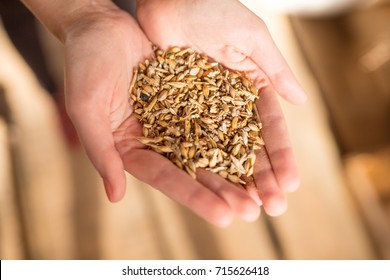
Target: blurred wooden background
point(53, 206)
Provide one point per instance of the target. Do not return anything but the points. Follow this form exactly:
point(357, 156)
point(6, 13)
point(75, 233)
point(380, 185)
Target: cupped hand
point(101, 49)
point(231, 34)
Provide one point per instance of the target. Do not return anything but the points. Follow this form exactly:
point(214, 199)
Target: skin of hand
point(102, 45)
point(231, 34)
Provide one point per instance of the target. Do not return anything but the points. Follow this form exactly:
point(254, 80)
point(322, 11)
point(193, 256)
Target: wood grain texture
point(370, 195)
point(11, 239)
point(43, 178)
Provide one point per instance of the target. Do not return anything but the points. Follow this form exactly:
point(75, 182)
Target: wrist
point(61, 16)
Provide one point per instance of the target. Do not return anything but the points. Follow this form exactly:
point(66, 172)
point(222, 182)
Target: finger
point(253, 192)
point(277, 142)
point(160, 173)
point(235, 196)
point(96, 135)
point(272, 196)
point(265, 63)
point(88, 101)
point(268, 57)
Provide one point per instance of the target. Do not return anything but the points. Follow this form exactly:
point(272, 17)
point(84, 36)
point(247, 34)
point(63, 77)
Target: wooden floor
point(53, 206)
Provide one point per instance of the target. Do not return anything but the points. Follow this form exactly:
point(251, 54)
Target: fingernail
point(109, 190)
point(276, 205)
point(252, 214)
point(224, 221)
point(301, 96)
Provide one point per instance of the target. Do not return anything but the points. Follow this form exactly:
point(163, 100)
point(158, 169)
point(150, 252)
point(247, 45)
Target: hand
point(101, 50)
point(229, 33)
point(102, 46)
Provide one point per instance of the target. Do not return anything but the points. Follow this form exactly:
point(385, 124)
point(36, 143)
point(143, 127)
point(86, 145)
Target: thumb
point(96, 136)
point(269, 59)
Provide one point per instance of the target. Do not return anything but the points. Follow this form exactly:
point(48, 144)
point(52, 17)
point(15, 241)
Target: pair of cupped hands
point(102, 47)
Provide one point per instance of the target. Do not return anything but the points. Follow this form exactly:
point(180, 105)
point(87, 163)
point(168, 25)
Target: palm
point(232, 35)
point(98, 65)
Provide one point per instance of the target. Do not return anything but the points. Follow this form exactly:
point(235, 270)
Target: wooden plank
point(173, 232)
point(43, 179)
point(246, 241)
point(376, 168)
point(190, 237)
point(321, 221)
point(145, 225)
point(343, 52)
point(368, 191)
point(126, 228)
point(11, 240)
point(87, 188)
